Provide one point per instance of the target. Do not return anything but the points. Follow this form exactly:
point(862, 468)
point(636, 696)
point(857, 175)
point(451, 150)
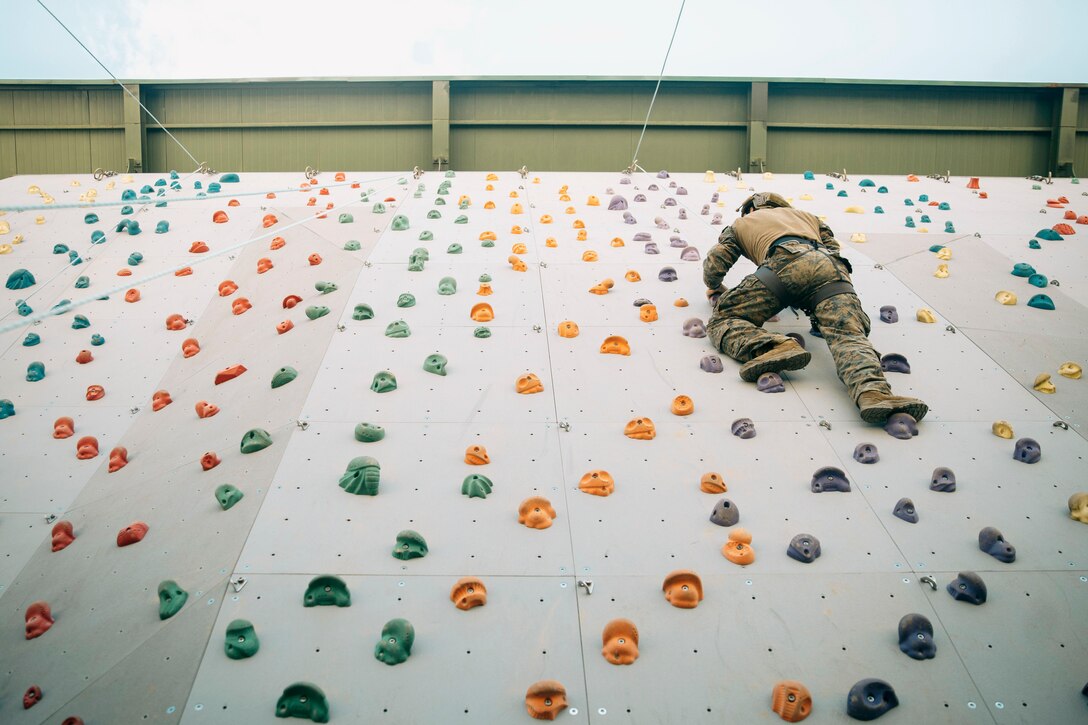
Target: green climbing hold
point(435, 364)
point(400, 223)
point(90, 218)
point(362, 476)
point(944, 206)
point(20, 279)
point(1041, 302)
point(228, 495)
point(415, 262)
point(363, 312)
point(481, 332)
point(256, 439)
point(369, 433)
point(1048, 235)
point(866, 182)
point(325, 591)
point(83, 282)
point(241, 640)
point(1022, 269)
point(422, 253)
point(397, 328)
point(410, 545)
point(378, 208)
point(31, 339)
point(434, 214)
point(135, 258)
point(171, 598)
point(314, 311)
point(283, 376)
point(395, 646)
point(1038, 280)
point(303, 700)
point(1036, 187)
point(35, 371)
point(230, 178)
point(485, 278)
point(487, 243)
point(462, 219)
point(447, 286)
point(426, 236)
point(352, 245)
point(454, 248)
point(439, 201)
point(325, 287)
point(476, 485)
point(80, 322)
point(60, 249)
point(97, 340)
point(449, 175)
point(346, 218)
point(384, 382)
point(406, 299)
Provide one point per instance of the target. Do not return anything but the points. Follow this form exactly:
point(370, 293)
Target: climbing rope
point(634, 158)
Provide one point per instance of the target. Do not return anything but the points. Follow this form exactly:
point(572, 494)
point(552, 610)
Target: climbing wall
point(335, 446)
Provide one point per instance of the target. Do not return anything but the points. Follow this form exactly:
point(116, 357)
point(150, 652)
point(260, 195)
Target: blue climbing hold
point(1034, 244)
point(809, 176)
point(214, 187)
point(60, 249)
point(878, 210)
point(90, 218)
point(98, 236)
point(97, 339)
point(842, 192)
point(31, 339)
point(908, 202)
point(829, 186)
point(21, 279)
point(923, 197)
point(80, 322)
point(936, 248)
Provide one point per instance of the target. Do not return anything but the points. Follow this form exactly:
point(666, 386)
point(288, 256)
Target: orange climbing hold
point(1070, 215)
point(647, 313)
point(712, 483)
point(516, 209)
point(314, 259)
point(290, 301)
point(973, 183)
point(1055, 204)
point(1064, 229)
point(340, 176)
point(528, 384)
point(597, 483)
point(568, 328)
point(615, 345)
point(190, 347)
point(518, 248)
point(578, 224)
point(546, 219)
point(86, 448)
point(464, 201)
point(620, 642)
point(641, 429)
point(84, 357)
point(492, 177)
point(198, 247)
point(912, 177)
point(739, 547)
point(132, 295)
point(175, 322)
point(593, 201)
point(569, 209)
point(63, 535)
point(485, 289)
point(64, 428)
point(234, 202)
point(602, 287)
point(118, 459)
point(551, 243)
point(277, 243)
point(589, 256)
point(482, 312)
point(617, 242)
point(183, 272)
point(515, 229)
point(536, 512)
point(582, 236)
point(263, 265)
point(204, 409)
point(125, 272)
point(229, 373)
point(285, 326)
point(95, 392)
point(240, 305)
point(220, 217)
point(468, 592)
point(269, 220)
point(227, 287)
point(683, 589)
point(160, 399)
point(132, 534)
point(632, 276)
point(270, 195)
point(476, 456)
point(513, 195)
point(39, 618)
point(488, 237)
point(209, 461)
point(489, 204)
point(682, 405)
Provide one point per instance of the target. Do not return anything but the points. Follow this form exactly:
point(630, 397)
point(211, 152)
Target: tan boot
point(877, 407)
point(787, 355)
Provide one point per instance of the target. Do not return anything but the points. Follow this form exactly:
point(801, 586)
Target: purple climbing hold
point(694, 327)
point(805, 548)
point(893, 362)
point(641, 237)
point(676, 241)
point(904, 509)
point(968, 587)
point(770, 383)
point(629, 218)
point(889, 314)
point(943, 480)
point(725, 513)
point(830, 478)
point(667, 274)
point(916, 637)
point(711, 364)
point(690, 254)
point(866, 453)
point(902, 426)
point(669, 201)
point(651, 248)
point(993, 543)
point(662, 174)
point(743, 428)
point(1027, 451)
point(618, 203)
point(797, 337)
point(640, 197)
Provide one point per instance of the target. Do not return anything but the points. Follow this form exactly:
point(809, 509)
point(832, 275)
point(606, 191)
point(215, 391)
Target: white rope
point(123, 88)
point(634, 158)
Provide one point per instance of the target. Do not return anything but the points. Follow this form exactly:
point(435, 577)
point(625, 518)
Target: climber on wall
point(799, 267)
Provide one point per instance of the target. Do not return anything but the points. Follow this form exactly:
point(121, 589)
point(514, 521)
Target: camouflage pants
point(736, 329)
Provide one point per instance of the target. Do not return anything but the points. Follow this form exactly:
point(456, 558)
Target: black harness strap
point(771, 281)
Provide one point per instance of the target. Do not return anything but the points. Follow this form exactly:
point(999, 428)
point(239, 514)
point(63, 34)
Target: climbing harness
point(806, 304)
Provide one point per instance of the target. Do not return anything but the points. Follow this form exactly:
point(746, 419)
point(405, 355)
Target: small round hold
point(866, 453)
point(902, 426)
point(804, 548)
point(904, 509)
point(870, 698)
point(916, 637)
point(943, 480)
point(725, 513)
point(1027, 450)
point(711, 364)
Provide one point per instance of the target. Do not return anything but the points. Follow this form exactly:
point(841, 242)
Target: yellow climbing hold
point(942, 271)
point(1043, 385)
point(1070, 370)
point(858, 237)
point(1002, 429)
point(1005, 297)
point(854, 210)
point(925, 315)
point(708, 177)
point(944, 253)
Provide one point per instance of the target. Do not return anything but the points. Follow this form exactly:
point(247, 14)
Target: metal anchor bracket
point(239, 583)
point(928, 580)
point(586, 584)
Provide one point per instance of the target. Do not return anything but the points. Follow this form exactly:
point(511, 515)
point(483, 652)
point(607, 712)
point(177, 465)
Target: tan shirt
point(756, 231)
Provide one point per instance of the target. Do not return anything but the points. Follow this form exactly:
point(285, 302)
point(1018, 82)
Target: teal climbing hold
point(1041, 302)
point(1034, 244)
point(83, 282)
point(90, 218)
point(362, 476)
point(160, 182)
point(1048, 235)
point(944, 206)
point(303, 700)
point(255, 439)
point(241, 640)
point(97, 340)
point(910, 223)
point(60, 249)
point(809, 176)
point(829, 186)
point(162, 227)
point(135, 258)
point(325, 287)
point(866, 182)
point(908, 202)
point(283, 376)
point(63, 306)
point(949, 228)
point(476, 485)
point(1038, 280)
point(230, 178)
point(35, 371)
point(126, 211)
point(1022, 269)
point(23, 309)
point(79, 322)
point(147, 189)
point(842, 192)
point(325, 591)
point(31, 339)
point(171, 598)
point(936, 248)
point(410, 545)
point(98, 236)
point(134, 228)
point(128, 195)
point(74, 259)
point(923, 197)
point(924, 219)
point(7, 409)
point(395, 646)
point(20, 279)
point(882, 190)
point(228, 495)
point(214, 187)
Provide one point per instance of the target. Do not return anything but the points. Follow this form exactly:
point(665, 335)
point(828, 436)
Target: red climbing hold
point(64, 428)
point(290, 301)
point(131, 534)
point(118, 459)
point(229, 373)
point(86, 448)
point(31, 697)
point(39, 619)
point(63, 535)
point(175, 322)
point(220, 217)
point(160, 400)
point(209, 461)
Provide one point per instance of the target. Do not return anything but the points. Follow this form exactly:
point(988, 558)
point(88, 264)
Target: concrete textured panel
point(109, 658)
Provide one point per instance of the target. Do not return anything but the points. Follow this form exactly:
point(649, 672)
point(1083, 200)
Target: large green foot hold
point(395, 645)
point(255, 440)
point(241, 640)
point(877, 407)
point(787, 355)
point(362, 476)
point(171, 599)
point(304, 700)
point(325, 591)
point(410, 545)
point(228, 495)
point(476, 485)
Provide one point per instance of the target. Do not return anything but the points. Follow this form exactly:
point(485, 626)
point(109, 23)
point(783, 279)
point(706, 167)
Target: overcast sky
point(963, 40)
